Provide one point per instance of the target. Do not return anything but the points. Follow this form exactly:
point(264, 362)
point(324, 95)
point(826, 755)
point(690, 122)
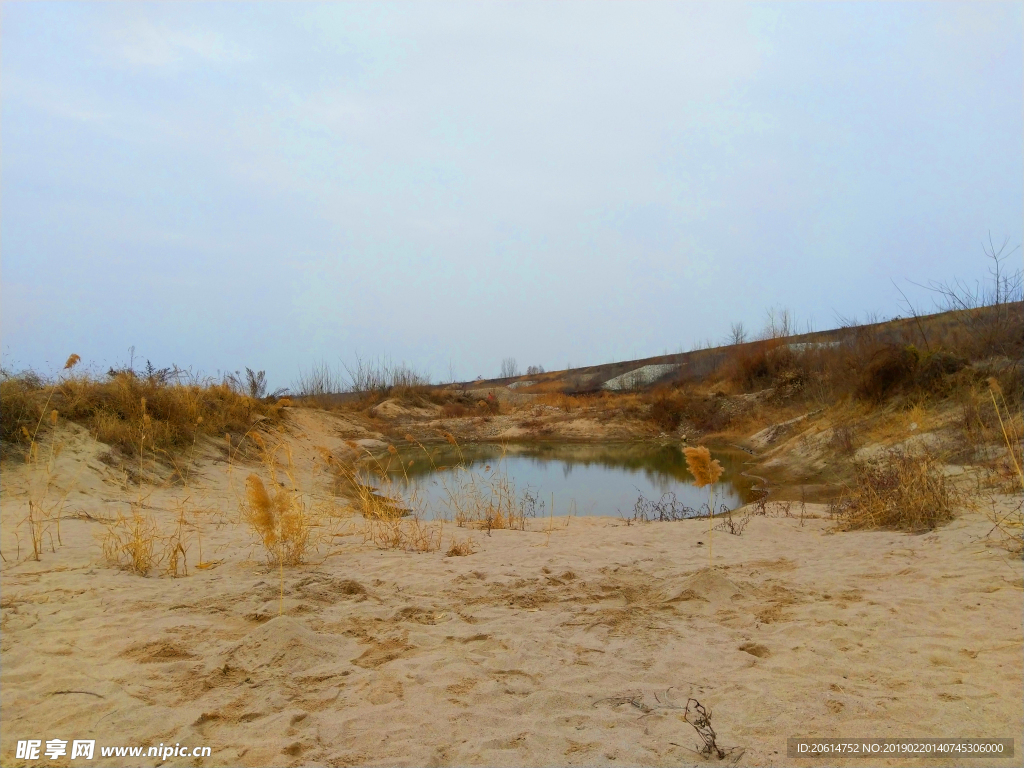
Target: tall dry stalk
point(130, 542)
point(1012, 524)
point(1007, 427)
point(706, 472)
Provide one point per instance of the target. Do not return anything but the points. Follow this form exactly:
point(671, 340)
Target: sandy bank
point(561, 648)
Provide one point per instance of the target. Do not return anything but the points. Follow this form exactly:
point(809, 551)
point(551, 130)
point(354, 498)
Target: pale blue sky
point(223, 185)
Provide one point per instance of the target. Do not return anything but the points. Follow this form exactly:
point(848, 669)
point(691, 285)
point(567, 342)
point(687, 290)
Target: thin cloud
point(159, 45)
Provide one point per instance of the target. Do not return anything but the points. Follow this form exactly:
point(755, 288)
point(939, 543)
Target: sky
point(449, 184)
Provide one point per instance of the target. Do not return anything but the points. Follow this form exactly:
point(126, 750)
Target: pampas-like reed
point(279, 519)
point(705, 471)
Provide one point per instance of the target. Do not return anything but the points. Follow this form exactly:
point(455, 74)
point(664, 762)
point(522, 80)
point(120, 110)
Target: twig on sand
point(694, 713)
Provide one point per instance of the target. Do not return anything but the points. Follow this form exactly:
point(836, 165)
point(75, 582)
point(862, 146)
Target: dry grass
point(45, 500)
point(562, 401)
point(392, 517)
point(410, 535)
point(131, 542)
point(461, 548)
point(123, 408)
point(136, 543)
point(486, 499)
point(843, 439)
point(279, 516)
point(280, 520)
point(904, 490)
point(1009, 525)
point(926, 356)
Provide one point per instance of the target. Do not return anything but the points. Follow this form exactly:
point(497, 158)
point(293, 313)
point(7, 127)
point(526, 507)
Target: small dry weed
point(461, 548)
point(131, 542)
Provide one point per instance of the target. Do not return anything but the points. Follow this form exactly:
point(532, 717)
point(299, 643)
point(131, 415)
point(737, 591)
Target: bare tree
point(737, 334)
point(509, 368)
point(989, 311)
point(779, 323)
point(1003, 288)
point(534, 370)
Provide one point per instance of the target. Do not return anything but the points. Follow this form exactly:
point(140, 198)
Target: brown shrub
point(489, 405)
point(888, 369)
point(843, 439)
point(666, 413)
point(934, 371)
point(706, 414)
point(453, 410)
point(669, 409)
point(756, 365)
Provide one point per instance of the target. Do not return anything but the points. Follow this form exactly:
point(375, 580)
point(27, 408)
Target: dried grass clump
point(20, 409)
point(383, 501)
point(136, 542)
point(131, 542)
point(560, 400)
point(289, 523)
point(487, 500)
point(111, 407)
point(461, 548)
point(410, 535)
point(903, 490)
point(454, 411)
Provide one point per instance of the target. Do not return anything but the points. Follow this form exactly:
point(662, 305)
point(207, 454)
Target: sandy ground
point(574, 647)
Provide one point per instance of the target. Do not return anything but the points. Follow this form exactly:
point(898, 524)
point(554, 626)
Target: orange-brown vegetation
point(131, 411)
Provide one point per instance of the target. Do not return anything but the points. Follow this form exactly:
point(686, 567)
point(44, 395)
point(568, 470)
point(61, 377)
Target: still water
point(579, 479)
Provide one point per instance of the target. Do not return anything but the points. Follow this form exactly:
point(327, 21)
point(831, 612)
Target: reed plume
point(705, 471)
point(279, 520)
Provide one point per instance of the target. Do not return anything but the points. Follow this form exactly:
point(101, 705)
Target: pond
point(559, 479)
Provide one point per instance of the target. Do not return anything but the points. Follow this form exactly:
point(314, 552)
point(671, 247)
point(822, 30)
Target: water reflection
point(596, 479)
